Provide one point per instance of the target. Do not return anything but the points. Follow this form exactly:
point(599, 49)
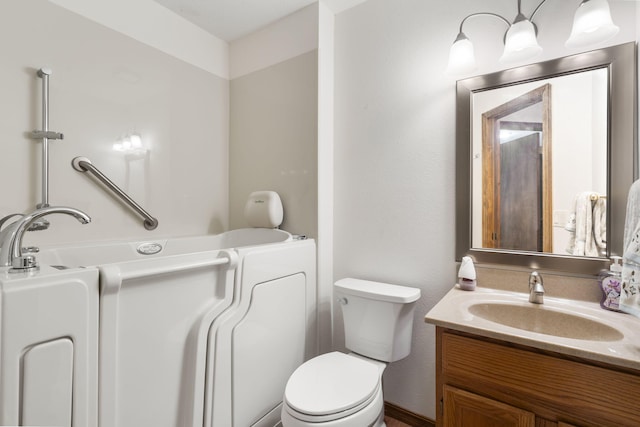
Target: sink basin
point(573, 327)
point(543, 320)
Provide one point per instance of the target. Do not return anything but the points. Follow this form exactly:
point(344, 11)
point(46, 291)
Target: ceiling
point(232, 19)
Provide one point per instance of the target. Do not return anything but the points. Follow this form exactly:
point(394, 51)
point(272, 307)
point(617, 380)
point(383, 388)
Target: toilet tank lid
point(377, 290)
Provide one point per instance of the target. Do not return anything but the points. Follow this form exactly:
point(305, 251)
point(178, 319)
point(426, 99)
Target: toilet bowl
point(345, 390)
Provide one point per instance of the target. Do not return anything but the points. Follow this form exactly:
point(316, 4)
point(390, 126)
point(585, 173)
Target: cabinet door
point(464, 409)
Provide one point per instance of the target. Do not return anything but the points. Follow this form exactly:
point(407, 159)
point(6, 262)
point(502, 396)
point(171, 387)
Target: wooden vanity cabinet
point(482, 382)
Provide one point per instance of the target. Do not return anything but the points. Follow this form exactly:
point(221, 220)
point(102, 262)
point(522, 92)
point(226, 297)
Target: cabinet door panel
point(464, 409)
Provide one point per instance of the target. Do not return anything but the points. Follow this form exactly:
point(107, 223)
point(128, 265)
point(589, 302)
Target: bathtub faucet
point(11, 237)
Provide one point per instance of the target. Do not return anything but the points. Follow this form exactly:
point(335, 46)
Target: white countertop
point(453, 312)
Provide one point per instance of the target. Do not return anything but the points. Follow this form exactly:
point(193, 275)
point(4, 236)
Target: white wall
point(106, 84)
point(326, 101)
point(395, 150)
point(394, 168)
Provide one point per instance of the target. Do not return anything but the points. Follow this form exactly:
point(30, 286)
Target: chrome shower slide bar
point(45, 135)
point(82, 164)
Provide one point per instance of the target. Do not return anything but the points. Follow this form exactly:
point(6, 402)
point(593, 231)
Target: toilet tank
point(378, 317)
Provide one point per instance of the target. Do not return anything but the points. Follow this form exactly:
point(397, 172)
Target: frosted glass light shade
point(135, 141)
point(462, 58)
point(131, 143)
point(521, 42)
point(592, 24)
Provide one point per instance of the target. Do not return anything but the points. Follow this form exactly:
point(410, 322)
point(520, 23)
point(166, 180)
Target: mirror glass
point(540, 165)
point(546, 154)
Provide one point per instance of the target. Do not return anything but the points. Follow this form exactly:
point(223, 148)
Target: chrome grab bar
point(82, 164)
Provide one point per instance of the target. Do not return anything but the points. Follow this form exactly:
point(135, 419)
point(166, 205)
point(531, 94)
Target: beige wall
point(273, 140)
point(104, 85)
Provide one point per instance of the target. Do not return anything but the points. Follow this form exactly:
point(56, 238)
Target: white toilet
point(345, 390)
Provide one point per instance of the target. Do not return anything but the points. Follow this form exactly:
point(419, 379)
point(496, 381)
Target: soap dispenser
point(610, 282)
point(467, 274)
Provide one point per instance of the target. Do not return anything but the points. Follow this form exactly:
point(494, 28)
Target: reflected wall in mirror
point(545, 157)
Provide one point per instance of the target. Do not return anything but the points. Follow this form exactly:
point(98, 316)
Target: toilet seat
point(371, 415)
point(331, 386)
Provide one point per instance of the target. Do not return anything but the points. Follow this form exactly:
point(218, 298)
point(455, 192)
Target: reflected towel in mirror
point(581, 223)
point(600, 224)
point(630, 292)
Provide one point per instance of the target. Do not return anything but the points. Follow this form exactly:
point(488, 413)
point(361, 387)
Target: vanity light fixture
point(592, 24)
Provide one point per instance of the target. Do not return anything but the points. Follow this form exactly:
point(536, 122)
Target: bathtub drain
point(149, 248)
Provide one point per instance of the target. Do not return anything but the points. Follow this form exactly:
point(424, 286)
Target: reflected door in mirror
point(516, 179)
point(519, 197)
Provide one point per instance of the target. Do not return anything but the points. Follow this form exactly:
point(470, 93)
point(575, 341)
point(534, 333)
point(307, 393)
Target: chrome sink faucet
point(11, 237)
point(536, 290)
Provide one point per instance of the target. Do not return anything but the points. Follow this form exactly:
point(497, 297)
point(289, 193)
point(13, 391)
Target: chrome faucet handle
point(536, 289)
point(24, 263)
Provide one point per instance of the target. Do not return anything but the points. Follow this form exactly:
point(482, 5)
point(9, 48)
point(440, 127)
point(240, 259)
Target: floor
point(390, 422)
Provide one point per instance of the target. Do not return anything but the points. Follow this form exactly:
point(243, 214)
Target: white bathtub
point(100, 253)
point(195, 331)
